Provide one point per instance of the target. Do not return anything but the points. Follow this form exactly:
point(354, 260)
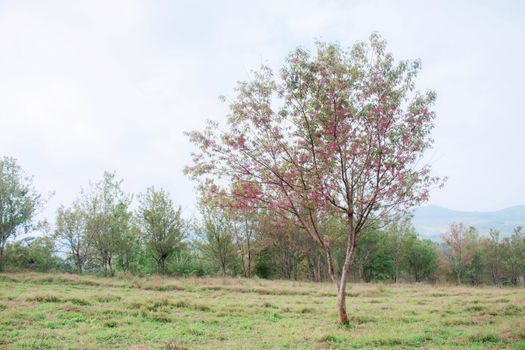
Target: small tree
point(71, 232)
point(19, 202)
point(515, 254)
point(461, 246)
point(493, 254)
point(217, 235)
point(338, 134)
point(161, 225)
point(245, 240)
point(421, 259)
point(372, 257)
point(32, 253)
point(106, 209)
point(398, 239)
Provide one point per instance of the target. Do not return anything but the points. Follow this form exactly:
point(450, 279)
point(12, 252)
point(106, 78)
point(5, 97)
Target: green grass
point(43, 311)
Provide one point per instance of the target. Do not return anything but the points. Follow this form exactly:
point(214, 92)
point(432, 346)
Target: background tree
point(217, 234)
point(70, 231)
point(19, 202)
point(106, 208)
point(515, 254)
point(161, 225)
point(474, 271)
point(398, 238)
point(337, 134)
point(492, 252)
point(283, 248)
point(421, 259)
point(460, 248)
point(33, 253)
point(245, 234)
point(372, 258)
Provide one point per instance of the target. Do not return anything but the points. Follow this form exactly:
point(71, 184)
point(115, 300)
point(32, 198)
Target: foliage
point(421, 259)
point(70, 232)
point(216, 234)
point(19, 202)
point(373, 259)
point(30, 253)
point(161, 226)
point(108, 219)
point(461, 245)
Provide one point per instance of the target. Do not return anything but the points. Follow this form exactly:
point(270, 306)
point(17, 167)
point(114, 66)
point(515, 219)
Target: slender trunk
point(494, 275)
point(223, 267)
point(340, 285)
point(78, 259)
point(1, 258)
point(79, 265)
point(249, 260)
point(317, 271)
point(331, 270)
point(341, 297)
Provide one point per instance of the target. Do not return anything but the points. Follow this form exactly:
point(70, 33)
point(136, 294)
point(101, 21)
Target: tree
point(508, 256)
point(338, 134)
point(283, 250)
point(71, 231)
point(32, 253)
point(398, 238)
point(161, 225)
point(108, 219)
point(474, 272)
point(19, 202)
point(421, 259)
point(244, 239)
point(461, 245)
point(372, 258)
point(217, 234)
point(492, 252)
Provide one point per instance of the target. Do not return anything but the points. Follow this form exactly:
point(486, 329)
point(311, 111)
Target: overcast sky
point(88, 86)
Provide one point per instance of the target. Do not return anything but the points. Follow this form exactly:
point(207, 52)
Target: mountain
point(432, 220)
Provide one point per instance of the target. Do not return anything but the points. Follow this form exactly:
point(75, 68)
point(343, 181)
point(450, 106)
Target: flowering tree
point(338, 134)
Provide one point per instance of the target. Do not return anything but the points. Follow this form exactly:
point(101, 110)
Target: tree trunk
point(340, 284)
point(1, 258)
point(341, 297)
point(341, 301)
point(249, 260)
point(223, 267)
point(79, 265)
point(78, 260)
point(109, 268)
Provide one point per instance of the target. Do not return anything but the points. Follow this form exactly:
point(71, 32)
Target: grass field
point(44, 311)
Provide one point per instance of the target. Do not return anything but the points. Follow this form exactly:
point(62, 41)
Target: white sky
point(88, 86)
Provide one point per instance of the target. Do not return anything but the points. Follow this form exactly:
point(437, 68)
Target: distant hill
point(430, 221)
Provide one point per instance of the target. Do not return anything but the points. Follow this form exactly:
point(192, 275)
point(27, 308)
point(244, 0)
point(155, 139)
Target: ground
point(45, 311)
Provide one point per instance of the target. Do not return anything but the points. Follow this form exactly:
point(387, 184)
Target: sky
point(89, 86)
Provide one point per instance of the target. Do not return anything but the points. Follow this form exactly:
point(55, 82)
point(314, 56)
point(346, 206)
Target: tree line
point(101, 233)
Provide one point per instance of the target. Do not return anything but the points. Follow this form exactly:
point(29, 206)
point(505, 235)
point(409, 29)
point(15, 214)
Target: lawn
point(46, 311)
